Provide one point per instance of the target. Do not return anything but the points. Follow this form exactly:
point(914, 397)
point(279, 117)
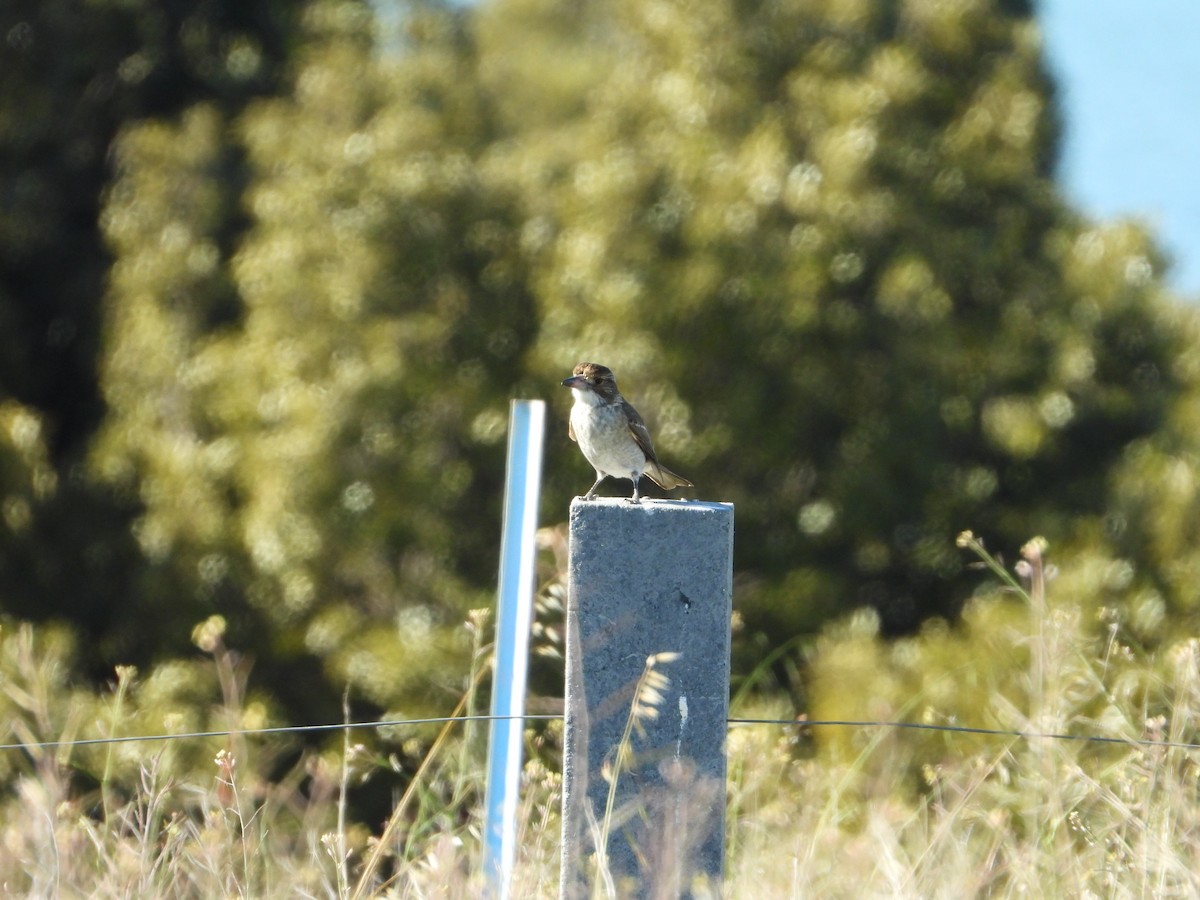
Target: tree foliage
point(820, 244)
point(312, 416)
point(74, 75)
point(824, 240)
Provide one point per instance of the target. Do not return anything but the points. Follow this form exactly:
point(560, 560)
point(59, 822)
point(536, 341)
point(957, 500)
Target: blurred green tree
point(819, 242)
point(73, 75)
point(315, 420)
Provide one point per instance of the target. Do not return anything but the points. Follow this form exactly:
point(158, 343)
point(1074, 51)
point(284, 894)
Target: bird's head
point(592, 378)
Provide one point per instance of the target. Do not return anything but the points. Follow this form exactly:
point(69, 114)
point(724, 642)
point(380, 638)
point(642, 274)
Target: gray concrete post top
point(657, 526)
point(649, 504)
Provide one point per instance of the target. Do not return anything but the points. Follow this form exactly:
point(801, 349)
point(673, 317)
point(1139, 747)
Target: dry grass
point(890, 813)
point(867, 812)
point(1026, 820)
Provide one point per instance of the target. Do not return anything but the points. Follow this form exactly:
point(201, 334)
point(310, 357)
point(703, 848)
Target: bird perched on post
point(611, 434)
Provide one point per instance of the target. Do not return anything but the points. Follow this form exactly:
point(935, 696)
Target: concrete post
point(650, 595)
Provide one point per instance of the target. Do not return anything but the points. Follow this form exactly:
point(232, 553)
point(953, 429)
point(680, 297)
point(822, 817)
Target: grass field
point(812, 812)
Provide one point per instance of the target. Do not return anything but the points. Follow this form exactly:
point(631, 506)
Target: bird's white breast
point(604, 437)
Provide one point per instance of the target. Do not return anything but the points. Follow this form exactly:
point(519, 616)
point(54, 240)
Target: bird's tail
point(664, 477)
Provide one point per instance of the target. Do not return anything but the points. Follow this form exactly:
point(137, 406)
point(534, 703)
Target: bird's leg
point(591, 495)
point(635, 478)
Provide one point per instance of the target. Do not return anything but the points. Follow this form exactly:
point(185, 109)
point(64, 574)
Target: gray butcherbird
point(611, 434)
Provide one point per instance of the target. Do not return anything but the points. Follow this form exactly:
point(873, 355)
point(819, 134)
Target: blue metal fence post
point(526, 425)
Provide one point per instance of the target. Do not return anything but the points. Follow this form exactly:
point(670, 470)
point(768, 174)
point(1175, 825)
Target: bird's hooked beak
point(576, 381)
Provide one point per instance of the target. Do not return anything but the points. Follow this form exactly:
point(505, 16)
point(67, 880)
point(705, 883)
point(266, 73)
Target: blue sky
point(1128, 73)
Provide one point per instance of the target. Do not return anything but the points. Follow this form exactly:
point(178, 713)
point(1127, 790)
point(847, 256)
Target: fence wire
point(441, 720)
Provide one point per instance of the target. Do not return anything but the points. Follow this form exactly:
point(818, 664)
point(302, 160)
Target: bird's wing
point(641, 434)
